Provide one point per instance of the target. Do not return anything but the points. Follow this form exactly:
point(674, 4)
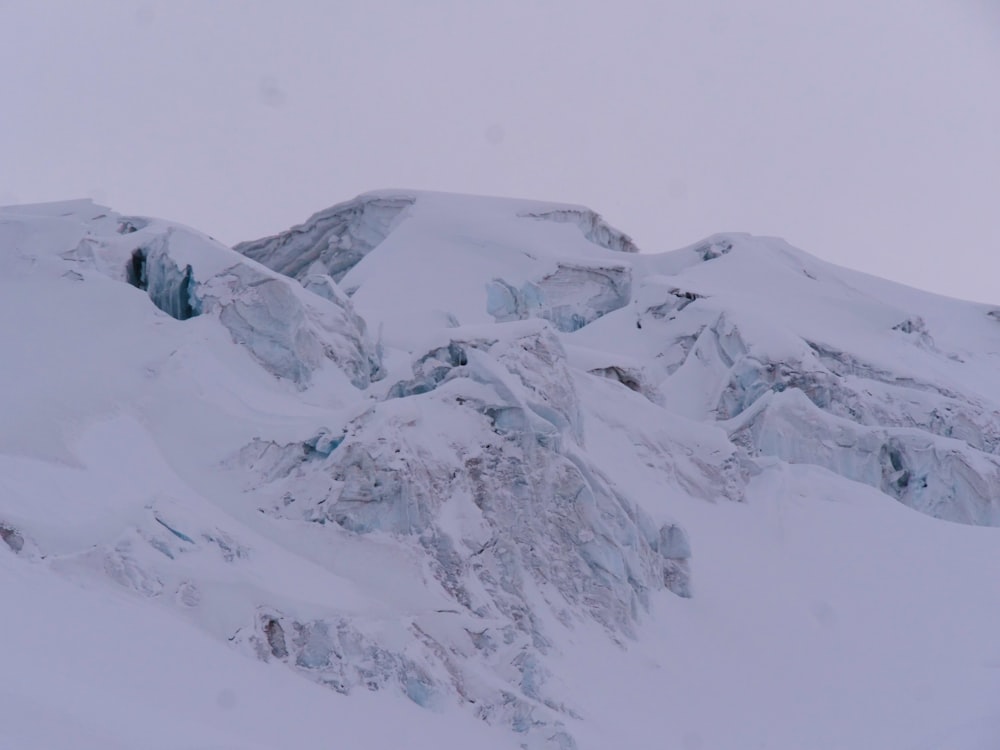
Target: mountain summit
point(479, 472)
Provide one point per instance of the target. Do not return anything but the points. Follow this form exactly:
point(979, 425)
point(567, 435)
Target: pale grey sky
point(866, 132)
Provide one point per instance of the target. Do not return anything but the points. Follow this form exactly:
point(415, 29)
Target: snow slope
point(478, 467)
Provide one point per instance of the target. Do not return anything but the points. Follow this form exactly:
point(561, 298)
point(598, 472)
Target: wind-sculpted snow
point(568, 494)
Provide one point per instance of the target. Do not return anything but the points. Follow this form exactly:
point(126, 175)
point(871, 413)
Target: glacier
point(480, 465)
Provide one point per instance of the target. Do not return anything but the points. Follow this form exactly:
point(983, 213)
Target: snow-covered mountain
point(496, 476)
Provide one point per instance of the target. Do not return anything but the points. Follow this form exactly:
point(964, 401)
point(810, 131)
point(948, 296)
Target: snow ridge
point(559, 469)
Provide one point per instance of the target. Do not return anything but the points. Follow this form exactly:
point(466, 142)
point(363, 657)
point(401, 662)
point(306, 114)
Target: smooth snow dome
point(436, 470)
point(863, 131)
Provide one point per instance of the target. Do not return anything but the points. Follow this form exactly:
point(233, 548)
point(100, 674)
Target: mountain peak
point(483, 457)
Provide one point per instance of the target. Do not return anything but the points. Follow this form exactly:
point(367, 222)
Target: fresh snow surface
point(436, 470)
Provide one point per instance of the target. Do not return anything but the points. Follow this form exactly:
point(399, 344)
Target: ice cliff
point(289, 332)
point(421, 441)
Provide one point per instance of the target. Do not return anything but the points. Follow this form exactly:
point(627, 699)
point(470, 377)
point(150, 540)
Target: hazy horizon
point(864, 135)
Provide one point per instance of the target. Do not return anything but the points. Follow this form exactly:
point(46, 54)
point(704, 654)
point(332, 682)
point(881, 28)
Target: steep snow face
point(468, 459)
point(581, 494)
point(733, 329)
point(515, 522)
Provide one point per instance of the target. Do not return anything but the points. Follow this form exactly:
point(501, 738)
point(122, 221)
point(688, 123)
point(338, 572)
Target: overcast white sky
point(864, 131)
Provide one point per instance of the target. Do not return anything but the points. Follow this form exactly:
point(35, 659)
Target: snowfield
point(436, 470)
